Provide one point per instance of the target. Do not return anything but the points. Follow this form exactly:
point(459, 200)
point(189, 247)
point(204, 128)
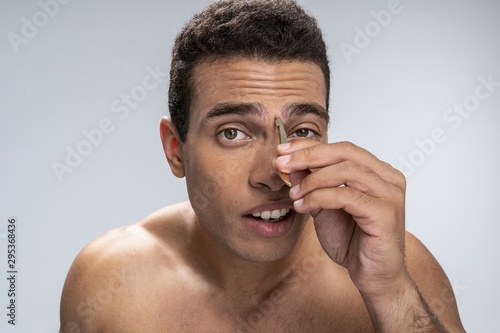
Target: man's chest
point(282, 311)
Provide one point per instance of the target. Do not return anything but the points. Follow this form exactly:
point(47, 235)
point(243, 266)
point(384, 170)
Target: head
point(269, 30)
point(236, 66)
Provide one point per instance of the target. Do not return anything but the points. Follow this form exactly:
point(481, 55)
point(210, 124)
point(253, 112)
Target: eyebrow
point(301, 109)
point(240, 109)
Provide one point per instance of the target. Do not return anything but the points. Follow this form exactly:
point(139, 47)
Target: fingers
point(309, 154)
point(297, 176)
point(346, 173)
point(350, 200)
point(342, 176)
point(371, 214)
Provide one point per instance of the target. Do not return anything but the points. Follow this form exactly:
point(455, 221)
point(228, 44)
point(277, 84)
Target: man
point(247, 253)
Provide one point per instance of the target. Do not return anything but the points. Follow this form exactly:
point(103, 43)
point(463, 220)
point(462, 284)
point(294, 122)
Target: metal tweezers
point(283, 139)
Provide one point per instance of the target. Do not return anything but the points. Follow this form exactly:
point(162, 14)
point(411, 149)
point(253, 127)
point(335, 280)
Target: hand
point(357, 202)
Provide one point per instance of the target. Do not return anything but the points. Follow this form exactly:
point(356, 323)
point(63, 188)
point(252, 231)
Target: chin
point(265, 250)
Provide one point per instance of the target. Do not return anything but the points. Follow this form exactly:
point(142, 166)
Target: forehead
point(241, 80)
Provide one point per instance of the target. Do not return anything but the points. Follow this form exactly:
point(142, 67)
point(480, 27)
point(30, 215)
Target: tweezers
point(283, 139)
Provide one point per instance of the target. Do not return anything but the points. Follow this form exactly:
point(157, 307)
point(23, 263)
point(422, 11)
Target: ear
point(172, 147)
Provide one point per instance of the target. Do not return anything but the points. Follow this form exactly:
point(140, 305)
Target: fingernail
point(284, 159)
point(294, 190)
point(298, 203)
point(285, 146)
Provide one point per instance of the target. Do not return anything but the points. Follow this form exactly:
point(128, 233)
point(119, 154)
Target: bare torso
point(151, 277)
point(298, 305)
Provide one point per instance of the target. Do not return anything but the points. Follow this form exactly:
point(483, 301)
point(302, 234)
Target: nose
point(263, 175)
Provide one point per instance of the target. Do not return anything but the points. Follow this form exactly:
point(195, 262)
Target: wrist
point(389, 290)
point(389, 294)
point(388, 306)
point(401, 309)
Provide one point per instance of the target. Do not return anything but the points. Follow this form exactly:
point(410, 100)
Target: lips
point(270, 221)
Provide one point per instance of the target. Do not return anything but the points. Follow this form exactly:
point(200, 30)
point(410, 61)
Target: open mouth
point(271, 216)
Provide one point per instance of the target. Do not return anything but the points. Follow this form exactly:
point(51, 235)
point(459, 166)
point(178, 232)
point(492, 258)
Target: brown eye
point(302, 133)
point(232, 136)
point(230, 133)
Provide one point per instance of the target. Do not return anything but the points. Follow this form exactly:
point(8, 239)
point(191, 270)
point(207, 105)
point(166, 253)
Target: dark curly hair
point(269, 30)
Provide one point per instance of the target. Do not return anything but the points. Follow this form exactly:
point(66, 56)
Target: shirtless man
point(247, 253)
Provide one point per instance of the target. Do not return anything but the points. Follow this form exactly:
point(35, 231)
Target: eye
point(231, 134)
point(303, 133)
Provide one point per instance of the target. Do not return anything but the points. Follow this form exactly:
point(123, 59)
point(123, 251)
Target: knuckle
point(349, 166)
point(307, 152)
point(398, 178)
point(355, 197)
point(363, 199)
point(401, 179)
point(345, 145)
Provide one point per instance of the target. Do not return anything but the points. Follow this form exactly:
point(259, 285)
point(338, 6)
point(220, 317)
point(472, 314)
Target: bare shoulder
point(432, 282)
point(115, 265)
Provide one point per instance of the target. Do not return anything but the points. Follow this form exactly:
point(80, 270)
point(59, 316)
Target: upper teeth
point(271, 214)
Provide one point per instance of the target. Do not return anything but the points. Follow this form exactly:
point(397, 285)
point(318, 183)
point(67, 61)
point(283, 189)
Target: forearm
point(404, 311)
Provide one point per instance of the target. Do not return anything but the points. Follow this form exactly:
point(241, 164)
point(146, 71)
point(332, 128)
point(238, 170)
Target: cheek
point(226, 170)
point(213, 181)
point(218, 179)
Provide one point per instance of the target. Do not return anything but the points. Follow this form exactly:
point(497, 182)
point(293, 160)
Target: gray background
point(70, 75)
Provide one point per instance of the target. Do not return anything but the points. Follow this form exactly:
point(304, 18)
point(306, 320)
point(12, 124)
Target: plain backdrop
point(398, 85)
